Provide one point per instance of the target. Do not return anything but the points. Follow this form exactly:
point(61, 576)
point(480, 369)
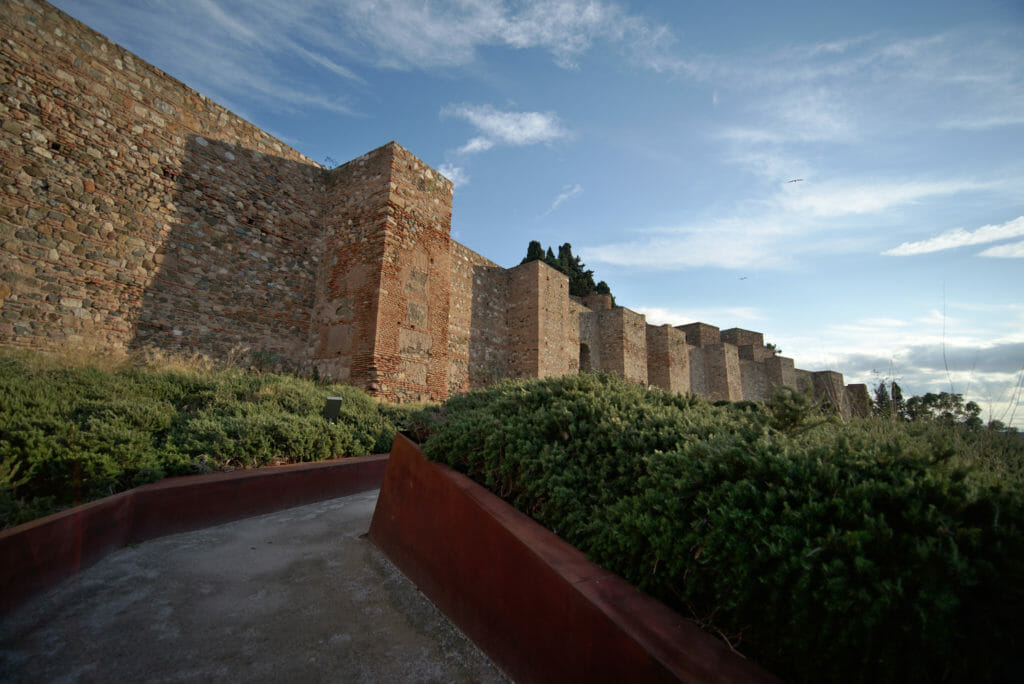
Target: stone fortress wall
point(135, 212)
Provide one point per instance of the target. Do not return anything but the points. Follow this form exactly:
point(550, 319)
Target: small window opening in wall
point(170, 173)
point(55, 146)
point(585, 362)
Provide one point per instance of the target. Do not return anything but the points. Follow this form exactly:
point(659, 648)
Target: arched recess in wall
point(585, 363)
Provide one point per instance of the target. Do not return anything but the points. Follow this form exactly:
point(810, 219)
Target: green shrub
point(73, 433)
point(870, 551)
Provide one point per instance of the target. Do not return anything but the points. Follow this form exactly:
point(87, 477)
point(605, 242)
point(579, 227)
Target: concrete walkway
point(295, 596)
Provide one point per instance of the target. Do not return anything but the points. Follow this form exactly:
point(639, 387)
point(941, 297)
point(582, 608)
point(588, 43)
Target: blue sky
point(660, 139)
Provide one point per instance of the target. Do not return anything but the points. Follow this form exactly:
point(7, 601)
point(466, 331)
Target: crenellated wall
point(622, 342)
point(136, 213)
point(754, 382)
point(668, 358)
point(542, 321)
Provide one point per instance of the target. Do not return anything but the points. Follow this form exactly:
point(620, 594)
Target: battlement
point(701, 334)
point(138, 213)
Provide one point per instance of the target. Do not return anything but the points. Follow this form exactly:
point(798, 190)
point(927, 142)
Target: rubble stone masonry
point(542, 323)
point(623, 343)
point(125, 192)
point(477, 321)
point(135, 212)
point(668, 358)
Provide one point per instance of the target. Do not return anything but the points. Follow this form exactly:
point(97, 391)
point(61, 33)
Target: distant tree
point(999, 426)
point(889, 401)
point(565, 257)
point(773, 349)
point(944, 407)
point(602, 288)
point(533, 253)
point(581, 278)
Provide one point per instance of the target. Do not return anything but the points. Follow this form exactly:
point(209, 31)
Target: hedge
point(69, 434)
point(865, 551)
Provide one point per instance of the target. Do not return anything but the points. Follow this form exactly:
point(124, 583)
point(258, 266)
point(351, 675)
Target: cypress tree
point(581, 278)
point(533, 253)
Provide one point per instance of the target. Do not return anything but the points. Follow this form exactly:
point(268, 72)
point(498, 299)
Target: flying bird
point(795, 180)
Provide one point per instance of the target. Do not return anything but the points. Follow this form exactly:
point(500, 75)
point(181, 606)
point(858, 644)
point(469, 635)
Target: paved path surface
point(297, 596)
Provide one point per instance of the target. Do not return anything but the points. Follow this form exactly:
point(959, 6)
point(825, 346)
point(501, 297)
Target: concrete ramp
point(298, 595)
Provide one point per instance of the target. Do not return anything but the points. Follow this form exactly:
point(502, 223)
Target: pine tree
point(889, 401)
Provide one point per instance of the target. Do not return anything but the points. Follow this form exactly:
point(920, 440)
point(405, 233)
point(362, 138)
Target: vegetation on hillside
point(875, 550)
point(73, 433)
point(888, 549)
point(581, 278)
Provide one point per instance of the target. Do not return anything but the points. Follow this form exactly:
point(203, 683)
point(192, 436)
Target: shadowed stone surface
point(296, 595)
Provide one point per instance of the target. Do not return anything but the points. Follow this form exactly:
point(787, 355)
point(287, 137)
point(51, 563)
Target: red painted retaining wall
point(531, 601)
point(38, 554)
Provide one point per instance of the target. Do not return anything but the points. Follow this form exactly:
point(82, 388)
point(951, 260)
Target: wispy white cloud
point(810, 114)
point(229, 22)
point(568, 193)
point(749, 135)
point(514, 129)
point(234, 54)
point(733, 316)
point(477, 144)
point(843, 197)
point(885, 322)
point(243, 51)
point(959, 237)
point(990, 121)
point(772, 164)
point(798, 219)
point(731, 244)
point(1014, 250)
point(870, 88)
point(791, 112)
point(456, 174)
point(325, 61)
point(567, 27)
point(408, 34)
point(957, 331)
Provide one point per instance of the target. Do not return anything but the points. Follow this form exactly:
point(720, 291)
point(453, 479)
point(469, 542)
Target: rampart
point(135, 212)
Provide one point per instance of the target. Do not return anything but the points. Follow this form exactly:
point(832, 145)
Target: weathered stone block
point(701, 334)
